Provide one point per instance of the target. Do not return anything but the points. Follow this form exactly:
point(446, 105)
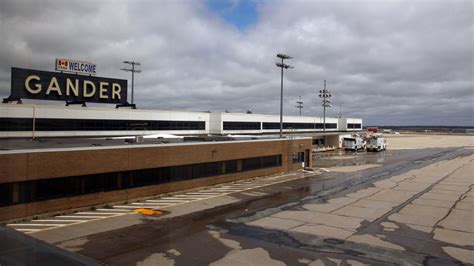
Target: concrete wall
point(347, 120)
point(31, 165)
point(215, 123)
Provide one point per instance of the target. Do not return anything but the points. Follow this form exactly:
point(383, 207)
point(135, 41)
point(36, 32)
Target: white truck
point(376, 143)
point(354, 143)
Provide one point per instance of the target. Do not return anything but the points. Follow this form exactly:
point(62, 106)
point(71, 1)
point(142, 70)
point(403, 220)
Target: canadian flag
point(62, 63)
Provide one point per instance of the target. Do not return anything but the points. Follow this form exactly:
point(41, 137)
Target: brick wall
point(43, 165)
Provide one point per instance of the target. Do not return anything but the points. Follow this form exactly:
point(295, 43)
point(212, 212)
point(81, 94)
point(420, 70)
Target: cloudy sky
point(390, 62)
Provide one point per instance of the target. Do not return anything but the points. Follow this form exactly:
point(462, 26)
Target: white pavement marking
point(133, 207)
point(204, 193)
point(113, 210)
point(161, 202)
point(224, 190)
point(191, 196)
point(27, 230)
point(199, 198)
point(237, 186)
point(138, 204)
point(173, 199)
point(164, 202)
point(325, 170)
point(80, 216)
point(96, 213)
point(146, 206)
point(154, 207)
point(57, 220)
point(39, 225)
point(212, 188)
point(168, 202)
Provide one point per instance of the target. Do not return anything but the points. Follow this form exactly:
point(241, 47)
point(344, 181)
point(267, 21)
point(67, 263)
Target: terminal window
point(274, 125)
point(53, 124)
point(352, 125)
point(227, 125)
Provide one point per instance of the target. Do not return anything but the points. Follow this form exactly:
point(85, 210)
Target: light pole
point(133, 70)
point(282, 65)
point(300, 105)
point(340, 109)
point(325, 95)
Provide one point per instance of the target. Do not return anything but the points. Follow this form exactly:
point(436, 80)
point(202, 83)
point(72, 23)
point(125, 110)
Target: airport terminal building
point(36, 180)
point(41, 172)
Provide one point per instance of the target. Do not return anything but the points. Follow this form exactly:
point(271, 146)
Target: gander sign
point(43, 85)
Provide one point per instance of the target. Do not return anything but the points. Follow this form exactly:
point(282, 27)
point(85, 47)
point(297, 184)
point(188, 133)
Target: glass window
point(298, 157)
point(241, 125)
point(251, 163)
point(351, 125)
point(53, 124)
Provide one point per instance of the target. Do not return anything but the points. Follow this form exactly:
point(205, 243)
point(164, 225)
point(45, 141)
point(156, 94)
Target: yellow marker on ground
point(146, 211)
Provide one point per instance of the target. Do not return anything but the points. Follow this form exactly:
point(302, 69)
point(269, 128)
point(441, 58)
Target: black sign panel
point(44, 85)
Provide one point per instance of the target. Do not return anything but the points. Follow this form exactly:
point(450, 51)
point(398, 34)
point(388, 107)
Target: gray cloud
point(389, 62)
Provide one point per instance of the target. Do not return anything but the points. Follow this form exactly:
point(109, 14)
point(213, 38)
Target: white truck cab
point(376, 143)
point(354, 143)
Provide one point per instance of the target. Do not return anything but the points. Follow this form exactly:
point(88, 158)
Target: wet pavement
point(395, 207)
point(17, 248)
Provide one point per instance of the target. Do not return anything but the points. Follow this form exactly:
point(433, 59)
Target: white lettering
point(103, 90)
point(72, 87)
point(27, 84)
point(116, 89)
point(53, 86)
point(84, 88)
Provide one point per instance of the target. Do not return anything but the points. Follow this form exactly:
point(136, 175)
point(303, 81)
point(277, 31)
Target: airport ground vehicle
point(354, 143)
point(376, 143)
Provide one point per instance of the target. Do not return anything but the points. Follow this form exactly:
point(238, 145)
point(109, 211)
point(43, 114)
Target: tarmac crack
point(461, 197)
point(411, 199)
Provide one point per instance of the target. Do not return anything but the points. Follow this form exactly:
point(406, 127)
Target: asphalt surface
point(235, 229)
point(19, 249)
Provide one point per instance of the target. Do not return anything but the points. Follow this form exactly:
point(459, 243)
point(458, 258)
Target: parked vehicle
point(376, 143)
point(373, 130)
point(354, 143)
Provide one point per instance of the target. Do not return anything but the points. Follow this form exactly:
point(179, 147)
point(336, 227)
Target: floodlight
point(282, 66)
point(284, 56)
point(133, 70)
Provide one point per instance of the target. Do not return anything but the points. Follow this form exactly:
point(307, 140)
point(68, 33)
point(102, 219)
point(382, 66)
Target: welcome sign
point(44, 85)
point(73, 66)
